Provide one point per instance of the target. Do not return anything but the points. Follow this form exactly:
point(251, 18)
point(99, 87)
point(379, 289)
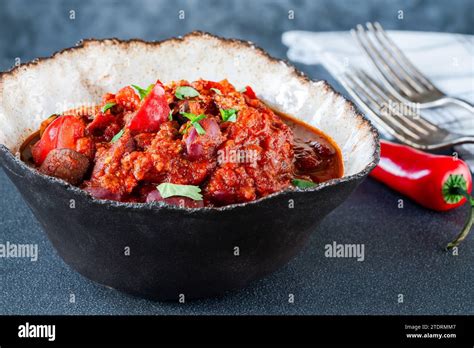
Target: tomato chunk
point(152, 113)
point(62, 133)
point(100, 122)
point(250, 93)
point(212, 84)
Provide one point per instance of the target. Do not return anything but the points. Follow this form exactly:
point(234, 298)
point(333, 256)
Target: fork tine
point(349, 86)
point(433, 127)
point(388, 108)
point(364, 101)
point(374, 56)
point(417, 123)
point(400, 56)
point(390, 55)
point(384, 112)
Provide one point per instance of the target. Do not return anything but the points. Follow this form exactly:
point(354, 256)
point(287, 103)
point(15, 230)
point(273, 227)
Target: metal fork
point(400, 120)
point(397, 73)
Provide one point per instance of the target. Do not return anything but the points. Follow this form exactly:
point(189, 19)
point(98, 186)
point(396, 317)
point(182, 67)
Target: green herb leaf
point(199, 118)
point(183, 92)
point(300, 183)
point(229, 115)
point(194, 120)
point(108, 106)
point(143, 92)
point(190, 116)
point(170, 115)
point(170, 190)
point(117, 136)
point(217, 91)
point(199, 129)
point(452, 188)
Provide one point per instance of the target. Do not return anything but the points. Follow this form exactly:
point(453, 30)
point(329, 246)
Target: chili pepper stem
point(469, 222)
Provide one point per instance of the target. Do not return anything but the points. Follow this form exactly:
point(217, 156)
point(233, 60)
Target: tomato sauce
point(316, 156)
point(203, 143)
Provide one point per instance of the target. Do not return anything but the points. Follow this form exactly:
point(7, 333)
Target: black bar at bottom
point(415, 330)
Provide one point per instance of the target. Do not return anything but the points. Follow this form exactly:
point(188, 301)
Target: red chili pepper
point(436, 182)
point(152, 113)
point(249, 92)
point(62, 133)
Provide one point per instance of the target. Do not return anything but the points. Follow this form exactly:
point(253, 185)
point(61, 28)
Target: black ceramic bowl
point(158, 251)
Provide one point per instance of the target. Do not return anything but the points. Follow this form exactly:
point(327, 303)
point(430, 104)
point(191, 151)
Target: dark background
point(31, 29)
point(403, 246)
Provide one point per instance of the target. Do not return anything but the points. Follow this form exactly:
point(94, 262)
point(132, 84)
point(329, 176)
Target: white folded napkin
point(446, 59)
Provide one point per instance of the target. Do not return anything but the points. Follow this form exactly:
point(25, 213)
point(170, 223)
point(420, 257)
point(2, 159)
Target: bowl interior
point(81, 75)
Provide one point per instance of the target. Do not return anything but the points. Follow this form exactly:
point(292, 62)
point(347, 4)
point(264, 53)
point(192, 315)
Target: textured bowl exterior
point(157, 251)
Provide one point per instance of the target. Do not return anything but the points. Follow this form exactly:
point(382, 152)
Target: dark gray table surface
point(403, 247)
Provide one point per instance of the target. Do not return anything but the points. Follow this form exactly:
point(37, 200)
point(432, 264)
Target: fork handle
point(467, 139)
point(458, 101)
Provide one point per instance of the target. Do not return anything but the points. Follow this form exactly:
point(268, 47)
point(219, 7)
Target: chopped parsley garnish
point(199, 129)
point(117, 136)
point(217, 91)
point(143, 92)
point(108, 106)
point(184, 92)
point(170, 190)
point(170, 115)
point(194, 121)
point(300, 183)
point(229, 115)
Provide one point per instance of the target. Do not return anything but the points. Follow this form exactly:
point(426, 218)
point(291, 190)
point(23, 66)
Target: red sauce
point(226, 142)
point(316, 156)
